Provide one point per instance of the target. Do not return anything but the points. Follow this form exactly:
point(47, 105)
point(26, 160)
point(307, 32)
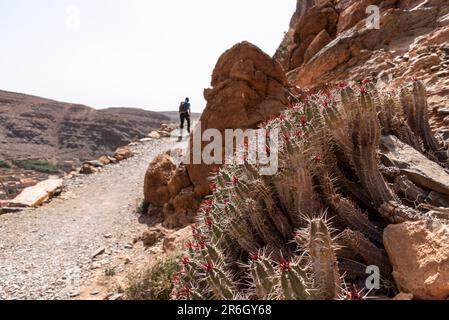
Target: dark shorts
point(184, 117)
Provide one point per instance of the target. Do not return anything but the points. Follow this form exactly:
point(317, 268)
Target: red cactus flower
point(255, 257)
point(206, 210)
point(366, 81)
point(303, 120)
point(176, 278)
point(284, 265)
point(363, 90)
point(190, 245)
point(291, 105)
point(201, 244)
point(318, 158)
point(208, 202)
point(343, 85)
point(216, 170)
point(209, 222)
point(235, 180)
point(184, 292)
point(355, 294)
point(194, 228)
point(185, 260)
point(208, 266)
point(325, 104)
point(213, 187)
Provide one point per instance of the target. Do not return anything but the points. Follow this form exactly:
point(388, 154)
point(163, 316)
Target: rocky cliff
point(332, 41)
point(33, 127)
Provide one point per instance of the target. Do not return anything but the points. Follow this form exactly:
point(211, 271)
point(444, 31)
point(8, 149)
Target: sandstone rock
point(123, 153)
point(179, 181)
point(157, 177)
point(334, 54)
point(154, 135)
point(247, 86)
point(419, 253)
point(104, 160)
point(88, 169)
point(39, 194)
point(320, 41)
point(177, 240)
point(354, 13)
point(94, 163)
point(420, 170)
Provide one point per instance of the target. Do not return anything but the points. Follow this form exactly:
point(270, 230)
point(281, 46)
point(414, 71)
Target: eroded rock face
point(419, 253)
point(169, 191)
point(331, 41)
point(247, 86)
point(157, 177)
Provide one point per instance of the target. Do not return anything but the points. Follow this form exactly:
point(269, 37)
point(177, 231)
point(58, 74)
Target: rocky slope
point(33, 127)
point(370, 107)
point(331, 41)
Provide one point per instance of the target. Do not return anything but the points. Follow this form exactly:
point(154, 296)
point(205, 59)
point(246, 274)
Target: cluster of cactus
point(310, 231)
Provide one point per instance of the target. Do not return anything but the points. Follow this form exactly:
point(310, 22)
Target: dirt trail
point(47, 253)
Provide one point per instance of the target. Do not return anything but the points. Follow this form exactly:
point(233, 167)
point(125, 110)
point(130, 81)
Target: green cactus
point(267, 237)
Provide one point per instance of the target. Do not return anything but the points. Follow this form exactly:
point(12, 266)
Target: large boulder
point(157, 178)
point(419, 253)
point(420, 170)
point(247, 86)
point(38, 194)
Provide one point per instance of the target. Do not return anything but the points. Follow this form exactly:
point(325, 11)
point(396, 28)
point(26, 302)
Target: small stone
point(108, 236)
point(116, 296)
point(99, 252)
point(404, 296)
point(74, 294)
point(128, 246)
point(95, 293)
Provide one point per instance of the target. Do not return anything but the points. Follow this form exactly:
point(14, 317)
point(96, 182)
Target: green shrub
point(4, 164)
point(110, 272)
point(37, 165)
point(156, 282)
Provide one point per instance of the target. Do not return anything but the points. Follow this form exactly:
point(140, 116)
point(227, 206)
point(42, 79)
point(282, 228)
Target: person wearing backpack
point(184, 113)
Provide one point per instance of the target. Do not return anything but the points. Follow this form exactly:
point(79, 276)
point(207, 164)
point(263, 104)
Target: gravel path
point(47, 253)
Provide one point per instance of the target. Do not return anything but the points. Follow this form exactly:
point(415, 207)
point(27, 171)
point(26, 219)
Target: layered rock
point(408, 29)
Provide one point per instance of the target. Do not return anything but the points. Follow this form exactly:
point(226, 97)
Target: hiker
point(184, 113)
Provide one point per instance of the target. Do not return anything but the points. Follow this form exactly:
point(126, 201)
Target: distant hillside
point(34, 127)
point(174, 116)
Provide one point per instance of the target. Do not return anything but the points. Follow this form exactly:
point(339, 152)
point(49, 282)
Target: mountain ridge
point(37, 127)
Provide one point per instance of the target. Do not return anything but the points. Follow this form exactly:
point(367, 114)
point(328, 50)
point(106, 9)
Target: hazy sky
point(134, 53)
